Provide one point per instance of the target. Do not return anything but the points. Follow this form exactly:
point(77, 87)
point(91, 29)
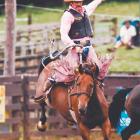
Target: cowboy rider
point(76, 27)
point(75, 30)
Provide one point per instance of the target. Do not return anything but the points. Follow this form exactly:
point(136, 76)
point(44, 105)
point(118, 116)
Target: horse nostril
point(82, 111)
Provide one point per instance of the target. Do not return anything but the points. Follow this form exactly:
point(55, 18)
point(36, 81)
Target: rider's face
point(78, 4)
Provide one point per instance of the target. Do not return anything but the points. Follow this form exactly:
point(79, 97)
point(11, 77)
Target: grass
point(124, 61)
point(120, 8)
point(44, 16)
point(40, 16)
point(116, 8)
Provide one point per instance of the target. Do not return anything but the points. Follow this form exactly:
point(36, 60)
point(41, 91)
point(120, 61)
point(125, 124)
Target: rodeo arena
point(53, 86)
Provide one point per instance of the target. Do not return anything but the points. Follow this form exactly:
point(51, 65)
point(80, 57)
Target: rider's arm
point(90, 8)
point(66, 22)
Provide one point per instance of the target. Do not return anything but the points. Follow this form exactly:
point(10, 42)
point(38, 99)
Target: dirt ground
point(94, 136)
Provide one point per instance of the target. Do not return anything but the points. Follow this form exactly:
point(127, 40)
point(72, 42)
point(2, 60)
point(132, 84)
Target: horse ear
point(95, 69)
point(80, 68)
point(76, 71)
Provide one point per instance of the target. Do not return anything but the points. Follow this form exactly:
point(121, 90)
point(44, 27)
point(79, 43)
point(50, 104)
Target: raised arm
point(90, 8)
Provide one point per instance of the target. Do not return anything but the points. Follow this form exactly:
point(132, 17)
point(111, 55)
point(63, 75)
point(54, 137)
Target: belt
point(84, 43)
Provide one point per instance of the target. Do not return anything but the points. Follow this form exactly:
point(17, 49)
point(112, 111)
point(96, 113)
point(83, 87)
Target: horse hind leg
point(85, 133)
point(130, 130)
point(106, 129)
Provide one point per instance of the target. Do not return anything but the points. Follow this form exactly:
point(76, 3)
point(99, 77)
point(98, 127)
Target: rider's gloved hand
point(78, 47)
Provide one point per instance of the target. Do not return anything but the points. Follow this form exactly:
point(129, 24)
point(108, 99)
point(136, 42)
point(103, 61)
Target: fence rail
point(23, 113)
point(34, 38)
point(24, 64)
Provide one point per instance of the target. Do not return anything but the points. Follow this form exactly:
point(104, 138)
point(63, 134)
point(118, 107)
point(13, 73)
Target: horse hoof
point(41, 127)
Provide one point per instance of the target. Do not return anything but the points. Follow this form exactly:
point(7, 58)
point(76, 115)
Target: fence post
point(115, 27)
point(25, 89)
point(9, 62)
point(29, 19)
point(15, 127)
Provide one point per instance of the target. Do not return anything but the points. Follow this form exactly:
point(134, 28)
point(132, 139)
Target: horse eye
point(91, 85)
point(78, 84)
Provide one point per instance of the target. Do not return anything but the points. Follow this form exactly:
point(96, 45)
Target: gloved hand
point(78, 47)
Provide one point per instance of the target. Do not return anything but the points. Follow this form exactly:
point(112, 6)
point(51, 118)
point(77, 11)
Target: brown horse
point(84, 98)
point(131, 104)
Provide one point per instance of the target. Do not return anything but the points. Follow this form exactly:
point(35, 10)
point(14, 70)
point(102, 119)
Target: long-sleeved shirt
point(67, 20)
point(127, 33)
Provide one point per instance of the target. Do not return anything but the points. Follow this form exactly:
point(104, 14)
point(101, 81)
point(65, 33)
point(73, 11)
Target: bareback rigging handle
point(66, 48)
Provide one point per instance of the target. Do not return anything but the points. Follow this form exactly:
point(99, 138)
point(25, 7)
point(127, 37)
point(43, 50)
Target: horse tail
point(117, 105)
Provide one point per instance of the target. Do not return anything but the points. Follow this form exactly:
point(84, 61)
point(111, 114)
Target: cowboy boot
point(40, 99)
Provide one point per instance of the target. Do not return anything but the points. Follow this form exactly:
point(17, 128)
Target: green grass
point(120, 8)
point(45, 16)
point(40, 16)
point(124, 61)
point(111, 8)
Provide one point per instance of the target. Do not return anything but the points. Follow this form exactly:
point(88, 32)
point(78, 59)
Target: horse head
point(84, 86)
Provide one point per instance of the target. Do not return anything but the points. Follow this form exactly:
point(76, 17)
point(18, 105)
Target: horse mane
point(86, 68)
point(117, 105)
point(94, 115)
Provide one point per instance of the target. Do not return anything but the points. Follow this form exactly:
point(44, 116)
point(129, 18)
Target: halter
point(78, 92)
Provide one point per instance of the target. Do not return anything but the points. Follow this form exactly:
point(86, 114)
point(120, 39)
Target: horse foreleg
point(85, 133)
point(42, 121)
point(130, 130)
point(106, 129)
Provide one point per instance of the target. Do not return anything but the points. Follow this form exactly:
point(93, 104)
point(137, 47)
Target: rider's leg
point(92, 57)
point(118, 44)
point(41, 95)
point(48, 84)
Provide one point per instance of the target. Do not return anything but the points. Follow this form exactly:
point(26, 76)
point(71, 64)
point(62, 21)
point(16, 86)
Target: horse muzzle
point(82, 110)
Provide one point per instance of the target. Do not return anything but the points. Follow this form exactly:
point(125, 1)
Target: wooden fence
point(25, 64)
point(13, 107)
point(35, 38)
point(23, 113)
